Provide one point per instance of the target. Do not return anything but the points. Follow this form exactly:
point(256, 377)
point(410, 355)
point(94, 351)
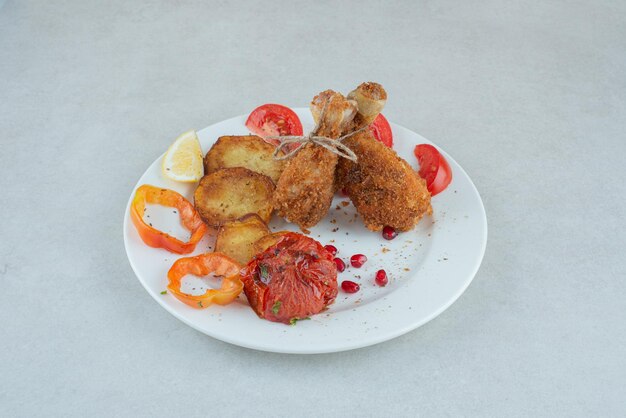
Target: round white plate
point(428, 267)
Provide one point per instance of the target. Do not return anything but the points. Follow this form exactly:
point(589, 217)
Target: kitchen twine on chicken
point(333, 145)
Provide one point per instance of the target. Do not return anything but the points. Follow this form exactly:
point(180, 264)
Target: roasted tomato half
point(291, 280)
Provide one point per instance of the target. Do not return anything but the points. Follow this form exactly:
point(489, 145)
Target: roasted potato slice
point(267, 241)
point(236, 239)
point(230, 193)
point(246, 151)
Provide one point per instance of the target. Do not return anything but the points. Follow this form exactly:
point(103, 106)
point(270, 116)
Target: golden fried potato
point(247, 151)
point(236, 239)
point(230, 193)
point(267, 241)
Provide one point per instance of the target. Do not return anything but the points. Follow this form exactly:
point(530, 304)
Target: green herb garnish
point(264, 273)
point(164, 292)
point(293, 320)
point(200, 304)
point(276, 307)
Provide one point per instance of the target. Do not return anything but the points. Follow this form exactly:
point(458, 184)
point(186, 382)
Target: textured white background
point(528, 96)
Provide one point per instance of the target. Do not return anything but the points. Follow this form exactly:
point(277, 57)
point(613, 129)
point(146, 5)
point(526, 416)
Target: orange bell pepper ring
point(201, 265)
point(158, 239)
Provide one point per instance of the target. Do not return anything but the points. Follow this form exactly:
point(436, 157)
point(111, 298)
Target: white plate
point(429, 267)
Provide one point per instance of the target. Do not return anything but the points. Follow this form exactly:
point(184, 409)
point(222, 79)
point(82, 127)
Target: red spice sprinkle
point(350, 286)
point(357, 260)
point(381, 278)
point(331, 249)
point(389, 233)
point(341, 266)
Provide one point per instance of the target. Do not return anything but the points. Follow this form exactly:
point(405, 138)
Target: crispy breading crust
point(382, 186)
point(305, 189)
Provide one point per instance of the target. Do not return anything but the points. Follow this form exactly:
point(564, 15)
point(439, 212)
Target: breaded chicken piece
point(382, 186)
point(305, 189)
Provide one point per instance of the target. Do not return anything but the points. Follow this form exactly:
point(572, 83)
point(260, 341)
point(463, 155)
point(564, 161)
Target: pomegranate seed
point(389, 233)
point(331, 249)
point(357, 260)
point(381, 278)
point(341, 266)
point(350, 287)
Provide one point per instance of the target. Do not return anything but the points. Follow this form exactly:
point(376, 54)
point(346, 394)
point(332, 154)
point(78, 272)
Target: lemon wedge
point(183, 159)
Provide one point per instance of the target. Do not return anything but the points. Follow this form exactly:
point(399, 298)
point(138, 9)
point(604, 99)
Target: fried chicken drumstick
point(305, 189)
point(382, 186)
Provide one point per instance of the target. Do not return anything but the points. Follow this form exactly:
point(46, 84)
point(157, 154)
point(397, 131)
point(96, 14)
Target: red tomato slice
point(381, 130)
point(274, 120)
point(433, 168)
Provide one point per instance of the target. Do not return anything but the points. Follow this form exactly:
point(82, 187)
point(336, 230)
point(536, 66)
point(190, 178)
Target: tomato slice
point(381, 130)
point(274, 120)
point(433, 168)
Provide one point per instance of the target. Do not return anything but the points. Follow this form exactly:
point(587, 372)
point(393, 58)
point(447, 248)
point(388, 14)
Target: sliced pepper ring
point(202, 265)
point(158, 239)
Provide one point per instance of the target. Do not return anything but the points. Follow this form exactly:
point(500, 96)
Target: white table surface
point(529, 97)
